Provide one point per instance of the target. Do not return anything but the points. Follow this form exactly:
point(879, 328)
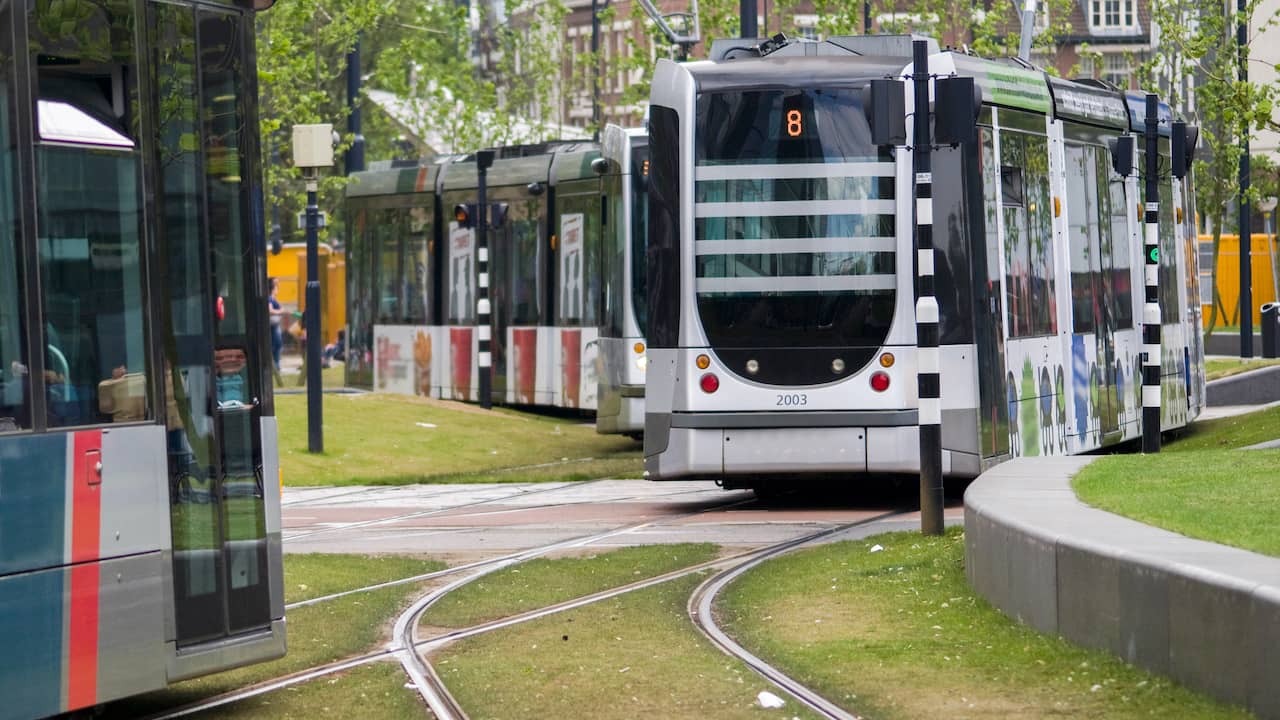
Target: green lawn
point(391, 439)
point(316, 634)
point(633, 656)
point(898, 633)
point(366, 692)
point(543, 581)
point(1227, 496)
point(1199, 485)
point(1226, 433)
point(1218, 368)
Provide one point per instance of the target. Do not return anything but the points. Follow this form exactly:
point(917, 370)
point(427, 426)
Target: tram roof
point(394, 181)
point(1137, 104)
point(793, 71)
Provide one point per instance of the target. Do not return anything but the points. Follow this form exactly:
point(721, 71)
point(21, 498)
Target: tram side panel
point(92, 507)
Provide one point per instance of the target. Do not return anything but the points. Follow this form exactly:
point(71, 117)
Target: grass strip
point(394, 440)
point(370, 692)
point(547, 581)
point(1225, 433)
point(636, 655)
point(317, 634)
point(1225, 496)
point(898, 633)
point(1218, 368)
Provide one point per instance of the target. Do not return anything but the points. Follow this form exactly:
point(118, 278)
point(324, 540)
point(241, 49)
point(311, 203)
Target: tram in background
point(139, 481)
point(781, 321)
point(622, 348)
point(413, 252)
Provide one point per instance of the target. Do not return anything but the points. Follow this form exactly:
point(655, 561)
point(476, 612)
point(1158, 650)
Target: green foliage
point(1198, 40)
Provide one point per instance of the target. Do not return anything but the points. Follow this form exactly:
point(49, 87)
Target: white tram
point(622, 318)
point(781, 322)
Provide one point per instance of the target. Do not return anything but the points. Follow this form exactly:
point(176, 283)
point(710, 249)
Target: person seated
point(335, 350)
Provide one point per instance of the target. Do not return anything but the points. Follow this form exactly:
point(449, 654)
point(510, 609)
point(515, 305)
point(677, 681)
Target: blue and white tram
point(622, 318)
point(139, 481)
point(781, 276)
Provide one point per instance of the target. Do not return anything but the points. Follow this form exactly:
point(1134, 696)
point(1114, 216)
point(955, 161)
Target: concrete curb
point(1204, 614)
point(1256, 387)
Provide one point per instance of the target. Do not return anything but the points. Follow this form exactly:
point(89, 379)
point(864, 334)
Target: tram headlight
point(879, 381)
point(753, 366)
point(709, 383)
point(703, 362)
point(837, 366)
point(642, 362)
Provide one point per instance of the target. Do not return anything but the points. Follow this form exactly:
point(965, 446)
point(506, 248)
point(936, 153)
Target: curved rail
point(406, 646)
point(701, 612)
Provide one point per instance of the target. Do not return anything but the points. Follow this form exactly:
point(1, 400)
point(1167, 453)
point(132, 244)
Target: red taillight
point(709, 383)
point(879, 381)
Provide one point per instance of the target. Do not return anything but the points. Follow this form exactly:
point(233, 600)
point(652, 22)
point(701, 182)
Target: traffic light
point(465, 215)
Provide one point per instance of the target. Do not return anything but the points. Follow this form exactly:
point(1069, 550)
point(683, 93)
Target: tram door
point(210, 322)
point(993, 403)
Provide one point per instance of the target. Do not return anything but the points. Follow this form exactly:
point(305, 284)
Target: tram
point(781, 322)
point(139, 473)
point(413, 252)
point(622, 348)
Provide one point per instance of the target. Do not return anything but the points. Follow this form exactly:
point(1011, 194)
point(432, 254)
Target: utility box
point(313, 145)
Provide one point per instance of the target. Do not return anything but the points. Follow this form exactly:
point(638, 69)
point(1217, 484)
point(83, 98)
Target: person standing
point(276, 316)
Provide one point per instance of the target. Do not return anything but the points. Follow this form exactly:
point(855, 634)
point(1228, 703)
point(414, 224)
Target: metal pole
point(595, 73)
point(1246, 233)
point(1151, 268)
point(928, 379)
point(866, 17)
point(315, 431)
point(747, 13)
point(484, 159)
point(1028, 29)
point(355, 154)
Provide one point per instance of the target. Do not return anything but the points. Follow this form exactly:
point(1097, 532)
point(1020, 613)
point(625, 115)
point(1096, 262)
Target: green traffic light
point(1155, 255)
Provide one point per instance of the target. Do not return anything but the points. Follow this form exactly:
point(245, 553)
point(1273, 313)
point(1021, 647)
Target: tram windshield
point(794, 230)
point(639, 234)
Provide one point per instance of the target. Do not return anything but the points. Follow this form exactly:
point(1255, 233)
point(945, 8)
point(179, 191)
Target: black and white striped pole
point(484, 159)
point(927, 361)
point(1151, 268)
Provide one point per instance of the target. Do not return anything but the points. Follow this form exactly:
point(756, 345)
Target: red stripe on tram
point(420, 185)
point(86, 523)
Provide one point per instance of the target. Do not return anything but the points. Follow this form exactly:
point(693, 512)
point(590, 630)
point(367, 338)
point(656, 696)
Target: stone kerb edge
point(1027, 552)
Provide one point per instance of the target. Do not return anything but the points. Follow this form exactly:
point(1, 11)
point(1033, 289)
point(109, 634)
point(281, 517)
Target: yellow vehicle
point(1263, 256)
point(290, 267)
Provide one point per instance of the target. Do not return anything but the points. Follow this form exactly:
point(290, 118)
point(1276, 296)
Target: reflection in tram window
point(13, 351)
point(89, 243)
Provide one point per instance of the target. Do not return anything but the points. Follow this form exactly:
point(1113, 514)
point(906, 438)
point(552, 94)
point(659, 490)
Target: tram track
point(407, 648)
point(437, 511)
point(507, 559)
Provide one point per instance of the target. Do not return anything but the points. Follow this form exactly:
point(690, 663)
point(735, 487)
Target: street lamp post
point(312, 150)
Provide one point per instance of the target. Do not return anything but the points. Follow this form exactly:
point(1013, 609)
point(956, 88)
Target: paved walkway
point(1205, 614)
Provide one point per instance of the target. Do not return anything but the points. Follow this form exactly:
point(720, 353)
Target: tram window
point(1170, 307)
point(1083, 239)
point(522, 282)
point(13, 357)
point(1028, 230)
point(90, 242)
point(416, 224)
point(1114, 219)
point(387, 234)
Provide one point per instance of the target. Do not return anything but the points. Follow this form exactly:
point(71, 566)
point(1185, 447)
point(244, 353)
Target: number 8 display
point(794, 126)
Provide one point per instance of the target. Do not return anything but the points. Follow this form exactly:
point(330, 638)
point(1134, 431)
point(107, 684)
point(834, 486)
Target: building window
point(1113, 14)
point(1118, 68)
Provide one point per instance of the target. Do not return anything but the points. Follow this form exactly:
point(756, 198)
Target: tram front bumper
point(890, 443)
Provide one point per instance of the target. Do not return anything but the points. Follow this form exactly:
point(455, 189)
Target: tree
point(1197, 39)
